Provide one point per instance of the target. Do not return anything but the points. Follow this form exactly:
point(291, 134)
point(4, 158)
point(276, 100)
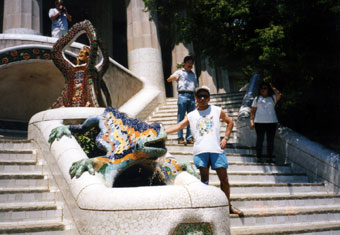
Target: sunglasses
point(264, 88)
point(204, 96)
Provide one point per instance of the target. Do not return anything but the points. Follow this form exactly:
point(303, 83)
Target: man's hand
point(59, 132)
point(223, 143)
point(79, 167)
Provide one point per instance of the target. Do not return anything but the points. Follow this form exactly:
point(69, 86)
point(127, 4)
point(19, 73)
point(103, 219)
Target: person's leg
point(271, 129)
point(202, 162)
point(225, 186)
point(56, 33)
point(259, 139)
point(190, 107)
point(204, 172)
point(224, 181)
point(219, 163)
point(180, 113)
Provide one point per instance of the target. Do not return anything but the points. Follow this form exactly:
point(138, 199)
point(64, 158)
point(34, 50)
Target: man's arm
point(230, 124)
point(55, 16)
point(173, 77)
point(179, 126)
point(69, 17)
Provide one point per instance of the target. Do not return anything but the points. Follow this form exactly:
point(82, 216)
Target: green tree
point(294, 44)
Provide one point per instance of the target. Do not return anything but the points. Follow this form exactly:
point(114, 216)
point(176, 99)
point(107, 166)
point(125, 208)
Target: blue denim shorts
point(215, 160)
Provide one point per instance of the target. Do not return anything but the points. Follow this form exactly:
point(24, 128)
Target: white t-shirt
point(61, 22)
point(187, 81)
point(265, 109)
point(205, 127)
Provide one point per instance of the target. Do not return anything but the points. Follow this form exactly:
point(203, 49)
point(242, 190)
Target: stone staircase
point(274, 198)
point(27, 201)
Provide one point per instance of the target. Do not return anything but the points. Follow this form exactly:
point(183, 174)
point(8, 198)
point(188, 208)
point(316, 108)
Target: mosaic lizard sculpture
point(83, 81)
point(127, 142)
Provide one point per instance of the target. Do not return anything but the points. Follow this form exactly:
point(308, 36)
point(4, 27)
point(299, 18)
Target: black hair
point(270, 90)
point(57, 1)
point(187, 58)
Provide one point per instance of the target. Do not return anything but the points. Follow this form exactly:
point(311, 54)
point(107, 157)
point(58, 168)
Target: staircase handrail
point(249, 96)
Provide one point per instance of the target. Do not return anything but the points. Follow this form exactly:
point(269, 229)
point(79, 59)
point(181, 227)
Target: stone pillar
point(178, 53)
point(144, 54)
point(208, 76)
point(22, 17)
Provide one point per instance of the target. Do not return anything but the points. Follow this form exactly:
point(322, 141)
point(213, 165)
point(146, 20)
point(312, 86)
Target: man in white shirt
point(208, 147)
point(186, 85)
point(60, 18)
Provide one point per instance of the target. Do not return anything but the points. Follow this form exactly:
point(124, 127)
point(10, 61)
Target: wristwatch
point(226, 137)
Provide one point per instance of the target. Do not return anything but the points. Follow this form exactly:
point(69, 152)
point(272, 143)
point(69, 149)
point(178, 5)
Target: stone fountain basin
point(94, 208)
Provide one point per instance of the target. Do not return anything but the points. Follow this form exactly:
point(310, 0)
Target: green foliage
point(87, 141)
point(294, 44)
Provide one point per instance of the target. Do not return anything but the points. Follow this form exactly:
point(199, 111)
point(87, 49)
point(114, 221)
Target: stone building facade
point(129, 35)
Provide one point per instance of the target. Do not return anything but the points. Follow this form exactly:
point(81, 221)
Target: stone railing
point(304, 154)
point(97, 209)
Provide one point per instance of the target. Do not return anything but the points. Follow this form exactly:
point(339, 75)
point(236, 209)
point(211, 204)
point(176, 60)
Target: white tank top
point(205, 127)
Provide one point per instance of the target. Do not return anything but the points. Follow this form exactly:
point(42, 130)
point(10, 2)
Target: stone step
point(42, 211)
point(224, 104)
point(227, 107)
point(278, 200)
point(254, 177)
point(214, 98)
point(28, 189)
point(18, 155)
point(236, 104)
point(286, 215)
point(15, 134)
point(32, 227)
point(23, 182)
point(27, 168)
point(26, 196)
point(324, 227)
point(258, 168)
point(173, 116)
point(222, 133)
point(237, 165)
point(6, 143)
point(173, 110)
point(274, 188)
point(232, 157)
point(21, 175)
point(232, 148)
point(172, 139)
point(222, 95)
point(169, 121)
point(28, 206)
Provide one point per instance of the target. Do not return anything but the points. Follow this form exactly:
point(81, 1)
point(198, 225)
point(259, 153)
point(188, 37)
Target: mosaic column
point(22, 16)
point(144, 54)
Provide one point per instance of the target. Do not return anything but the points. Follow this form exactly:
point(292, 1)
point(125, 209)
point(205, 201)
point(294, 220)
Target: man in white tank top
point(208, 146)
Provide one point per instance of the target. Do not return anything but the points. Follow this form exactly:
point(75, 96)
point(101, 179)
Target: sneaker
point(191, 141)
point(181, 141)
